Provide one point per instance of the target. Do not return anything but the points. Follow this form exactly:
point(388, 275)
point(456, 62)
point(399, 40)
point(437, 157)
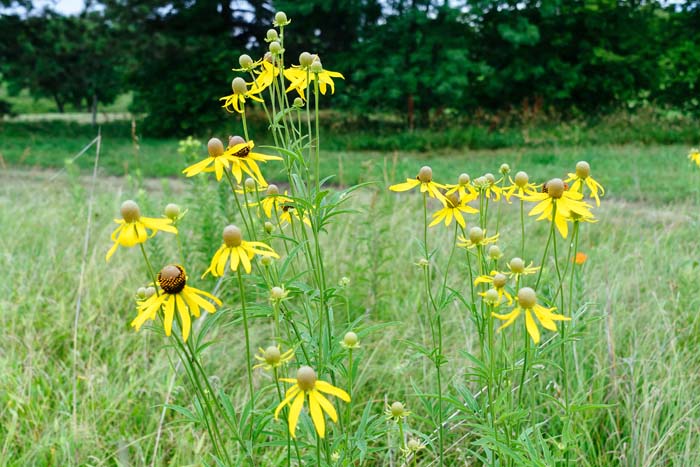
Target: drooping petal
point(330, 389)
point(407, 185)
point(532, 327)
point(317, 414)
point(294, 413)
point(184, 316)
point(169, 313)
point(291, 392)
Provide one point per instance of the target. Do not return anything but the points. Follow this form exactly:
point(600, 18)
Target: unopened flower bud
point(397, 409)
point(266, 261)
point(306, 378)
point(491, 296)
point(316, 66)
point(269, 227)
point(423, 262)
point(476, 234)
point(350, 339)
point(272, 355)
point(481, 182)
point(172, 211)
point(505, 169)
point(275, 48)
point(521, 179)
point(555, 188)
point(272, 189)
point(272, 35)
point(267, 57)
point(490, 178)
point(583, 169)
point(517, 265)
point(130, 211)
point(425, 174)
point(245, 61)
point(414, 445)
point(150, 291)
point(527, 298)
point(141, 293)
point(232, 236)
point(499, 280)
point(239, 85)
point(298, 102)
point(305, 59)
point(463, 179)
point(281, 18)
point(344, 281)
point(249, 184)
point(277, 293)
point(495, 252)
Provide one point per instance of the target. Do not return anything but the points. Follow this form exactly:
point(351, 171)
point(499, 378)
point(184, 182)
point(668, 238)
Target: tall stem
point(247, 342)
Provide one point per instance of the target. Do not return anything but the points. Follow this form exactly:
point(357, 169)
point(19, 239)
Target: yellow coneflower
point(266, 75)
point(217, 161)
point(694, 156)
point(174, 294)
point(307, 384)
point(568, 203)
point(426, 183)
point(453, 207)
point(245, 160)
point(517, 268)
point(520, 187)
point(133, 229)
point(308, 70)
point(272, 357)
point(583, 176)
point(240, 94)
point(487, 185)
point(236, 251)
point(477, 237)
point(350, 341)
point(527, 301)
point(498, 280)
point(464, 188)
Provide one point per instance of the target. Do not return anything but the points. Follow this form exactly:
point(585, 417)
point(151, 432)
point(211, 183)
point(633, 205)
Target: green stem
point(247, 343)
point(522, 229)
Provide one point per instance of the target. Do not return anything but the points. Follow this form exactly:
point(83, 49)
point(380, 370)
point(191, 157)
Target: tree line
point(412, 58)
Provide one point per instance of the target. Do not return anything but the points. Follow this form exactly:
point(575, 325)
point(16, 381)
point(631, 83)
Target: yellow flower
point(464, 188)
point(272, 357)
point(453, 207)
point(527, 301)
point(498, 280)
point(307, 384)
point(487, 185)
point(286, 215)
point(174, 294)
point(694, 156)
point(566, 203)
point(520, 187)
point(301, 77)
point(265, 77)
point(245, 160)
point(426, 183)
point(133, 229)
point(517, 268)
point(583, 176)
point(477, 237)
point(238, 251)
point(240, 93)
point(217, 158)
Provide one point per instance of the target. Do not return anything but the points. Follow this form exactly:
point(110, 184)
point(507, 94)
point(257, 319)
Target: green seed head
point(272, 35)
point(555, 188)
point(272, 189)
point(245, 61)
point(499, 280)
point(521, 179)
point(306, 378)
point(281, 18)
point(583, 169)
point(141, 293)
point(350, 339)
point(239, 86)
point(249, 184)
point(463, 179)
point(305, 59)
point(298, 102)
point(233, 236)
point(150, 291)
point(266, 261)
point(490, 178)
point(527, 298)
point(491, 296)
point(172, 211)
point(316, 66)
point(517, 265)
point(275, 48)
point(397, 409)
point(269, 227)
point(476, 234)
point(495, 252)
point(414, 445)
point(425, 174)
point(505, 169)
point(130, 211)
point(277, 293)
point(272, 355)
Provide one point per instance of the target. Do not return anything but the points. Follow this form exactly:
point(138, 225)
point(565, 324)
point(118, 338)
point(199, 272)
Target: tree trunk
point(94, 108)
point(411, 112)
point(59, 103)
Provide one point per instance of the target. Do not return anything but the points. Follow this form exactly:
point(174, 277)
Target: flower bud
point(281, 18)
point(141, 293)
point(425, 174)
point(350, 339)
point(232, 236)
point(245, 61)
point(150, 291)
point(414, 445)
point(277, 293)
point(269, 227)
point(266, 261)
point(476, 234)
point(522, 179)
point(505, 169)
point(491, 296)
point(555, 188)
point(267, 57)
point(172, 211)
point(316, 66)
point(298, 102)
point(583, 169)
point(249, 184)
point(481, 182)
point(397, 409)
point(239, 85)
point(490, 178)
point(305, 59)
point(306, 378)
point(272, 35)
point(423, 262)
point(344, 281)
point(130, 211)
point(275, 48)
point(463, 179)
point(527, 298)
point(272, 355)
point(495, 252)
point(272, 189)
point(517, 265)
point(499, 280)
point(215, 147)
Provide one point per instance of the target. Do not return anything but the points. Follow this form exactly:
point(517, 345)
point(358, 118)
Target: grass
point(637, 350)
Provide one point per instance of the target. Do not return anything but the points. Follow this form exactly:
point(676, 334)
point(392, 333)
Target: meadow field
point(85, 389)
